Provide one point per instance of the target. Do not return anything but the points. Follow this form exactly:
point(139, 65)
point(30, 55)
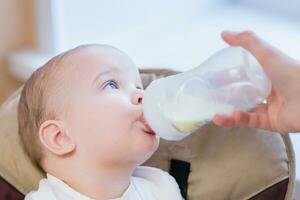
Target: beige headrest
point(15, 166)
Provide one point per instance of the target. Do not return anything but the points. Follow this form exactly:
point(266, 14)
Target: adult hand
point(281, 113)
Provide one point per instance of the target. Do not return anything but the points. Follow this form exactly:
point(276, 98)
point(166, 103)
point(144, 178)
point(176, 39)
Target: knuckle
point(247, 34)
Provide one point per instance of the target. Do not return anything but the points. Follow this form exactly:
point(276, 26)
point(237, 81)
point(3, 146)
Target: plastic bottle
point(231, 79)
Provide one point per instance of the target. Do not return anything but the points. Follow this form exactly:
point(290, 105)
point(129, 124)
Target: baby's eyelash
point(115, 85)
point(112, 83)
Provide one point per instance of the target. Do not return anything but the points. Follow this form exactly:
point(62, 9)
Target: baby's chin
point(148, 150)
point(152, 143)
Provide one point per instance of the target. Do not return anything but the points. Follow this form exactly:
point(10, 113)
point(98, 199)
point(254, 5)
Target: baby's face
point(105, 115)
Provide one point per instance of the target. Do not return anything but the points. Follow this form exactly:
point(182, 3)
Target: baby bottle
point(231, 79)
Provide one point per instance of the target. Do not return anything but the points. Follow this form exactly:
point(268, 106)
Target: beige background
point(17, 31)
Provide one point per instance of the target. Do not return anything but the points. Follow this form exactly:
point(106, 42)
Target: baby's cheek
point(122, 110)
point(113, 112)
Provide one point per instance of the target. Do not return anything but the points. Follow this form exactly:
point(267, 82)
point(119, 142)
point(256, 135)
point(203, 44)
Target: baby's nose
point(138, 98)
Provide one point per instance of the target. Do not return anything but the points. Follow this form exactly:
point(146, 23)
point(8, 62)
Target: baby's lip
point(147, 128)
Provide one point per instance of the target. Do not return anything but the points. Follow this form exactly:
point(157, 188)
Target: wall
point(17, 31)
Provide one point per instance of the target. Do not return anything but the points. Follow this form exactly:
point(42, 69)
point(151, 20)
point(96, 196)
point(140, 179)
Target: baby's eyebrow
point(102, 74)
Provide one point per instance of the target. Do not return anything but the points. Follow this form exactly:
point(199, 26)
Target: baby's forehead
point(92, 60)
point(104, 57)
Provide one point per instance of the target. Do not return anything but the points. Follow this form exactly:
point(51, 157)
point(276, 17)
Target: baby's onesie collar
point(63, 187)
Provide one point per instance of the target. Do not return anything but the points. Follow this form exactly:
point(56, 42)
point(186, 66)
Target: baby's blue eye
point(111, 85)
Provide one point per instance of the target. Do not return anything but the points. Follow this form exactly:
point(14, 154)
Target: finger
point(241, 117)
point(225, 121)
point(252, 120)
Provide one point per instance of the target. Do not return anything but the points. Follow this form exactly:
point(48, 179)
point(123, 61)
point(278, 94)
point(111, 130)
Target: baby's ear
point(55, 138)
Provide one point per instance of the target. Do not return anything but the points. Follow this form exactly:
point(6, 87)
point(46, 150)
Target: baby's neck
point(99, 183)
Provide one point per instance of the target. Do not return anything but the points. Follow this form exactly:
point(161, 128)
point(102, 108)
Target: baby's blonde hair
point(39, 100)
point(33, 107)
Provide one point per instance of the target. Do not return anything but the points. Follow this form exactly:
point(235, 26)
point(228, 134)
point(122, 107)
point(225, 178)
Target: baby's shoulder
point(44, 192)
point(153, 174)
point(162, 180)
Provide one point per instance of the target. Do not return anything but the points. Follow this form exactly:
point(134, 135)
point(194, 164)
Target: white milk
point(192, 112)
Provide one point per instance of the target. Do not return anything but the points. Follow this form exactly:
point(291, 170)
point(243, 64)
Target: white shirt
point(146, 183)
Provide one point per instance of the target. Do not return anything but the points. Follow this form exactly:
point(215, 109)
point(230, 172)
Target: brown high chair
point(213, 163)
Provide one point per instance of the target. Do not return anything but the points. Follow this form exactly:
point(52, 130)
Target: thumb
point(249, 41)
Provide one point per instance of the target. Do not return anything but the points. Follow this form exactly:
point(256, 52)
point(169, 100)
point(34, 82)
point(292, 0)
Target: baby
point(81, 121)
